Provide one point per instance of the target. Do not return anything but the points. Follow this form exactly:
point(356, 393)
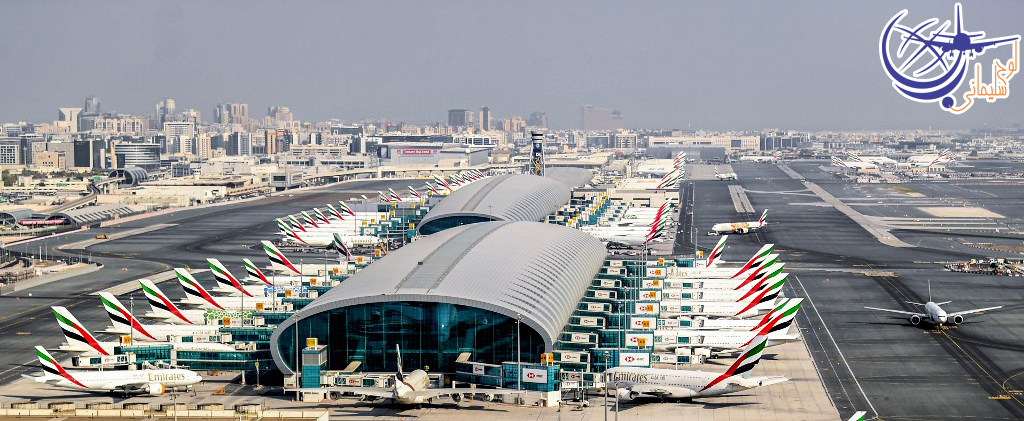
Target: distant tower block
point(537, 163)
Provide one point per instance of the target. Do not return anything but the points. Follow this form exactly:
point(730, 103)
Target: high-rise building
point(600, 119)
point(279, 113)
point(538, 119)
point(143, 155)
point(180, 136)
point(231, 113)
point(92, 105)
point(68, 117)
point(239, 144)
point(461, 118)
point(165, 111)
point(485, 118)
point(192, 115)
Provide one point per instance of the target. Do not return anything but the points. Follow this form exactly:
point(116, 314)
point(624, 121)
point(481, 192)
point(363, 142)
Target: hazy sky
point(810, 65)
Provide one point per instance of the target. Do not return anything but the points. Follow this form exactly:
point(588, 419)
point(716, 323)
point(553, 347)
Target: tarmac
point(869, 360)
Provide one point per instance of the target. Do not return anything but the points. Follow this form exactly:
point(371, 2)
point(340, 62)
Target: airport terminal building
point(474, 289)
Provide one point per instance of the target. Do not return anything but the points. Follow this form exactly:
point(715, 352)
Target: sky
point(737, 65)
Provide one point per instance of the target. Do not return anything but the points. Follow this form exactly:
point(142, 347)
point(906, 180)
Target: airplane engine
point(742, 231)
point(915, 320)
point(457, 397)
point(625, 395)
point(154, 389)
point(956, 319)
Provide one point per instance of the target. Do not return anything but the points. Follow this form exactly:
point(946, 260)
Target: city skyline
point(661, 70)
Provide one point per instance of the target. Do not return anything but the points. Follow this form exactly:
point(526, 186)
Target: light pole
point(174, 402)
point(519, 359)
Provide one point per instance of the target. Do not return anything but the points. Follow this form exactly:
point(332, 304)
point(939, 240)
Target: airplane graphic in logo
point(951, 54)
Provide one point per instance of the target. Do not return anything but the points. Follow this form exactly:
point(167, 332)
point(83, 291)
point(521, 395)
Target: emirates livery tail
point(254, 272)
point(162, 306)
point(79, 338)
point(278, 261)
point(716, 252)
point(194, 292)
point(123, 320)
point(224, 276)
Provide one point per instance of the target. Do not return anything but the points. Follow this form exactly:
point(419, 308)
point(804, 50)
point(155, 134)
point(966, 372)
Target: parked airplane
point(740, 227)
point(280, 263)
point(726, 176)
point(934, 314)
point(152, 382)
point(411, 389)
point(124, 323)
point(718, 341)
point(165, 310)
point(764, 159)
point(196, 295)
point(79, 340)
point(326, 239)
point(857, 165)
point(877, 160)
point(630, 383)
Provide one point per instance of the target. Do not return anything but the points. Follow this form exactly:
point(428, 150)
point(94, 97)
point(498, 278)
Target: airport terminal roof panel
point(510, 197)
point(531, 270)
point(570, 176)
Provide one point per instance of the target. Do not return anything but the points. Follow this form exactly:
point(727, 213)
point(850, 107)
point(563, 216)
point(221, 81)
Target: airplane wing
point(663, 391)
point(430, 393)
point(911, 313)
point(977, 310)
point(379, 392)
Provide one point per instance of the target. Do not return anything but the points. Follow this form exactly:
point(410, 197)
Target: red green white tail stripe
point(756, 274)
point(323, 217)
point(782, 320)
point(309, 219)
point(193, 288)
point(717, 251)
point(122, 319)
point(339, 244)
point(415, 193)
point(296, 224)
point(160, 302)
point(765, 296)
point(255, 272)
point(277, 258)
point(51, 366)
point(335, 212)
point(756, 260)
point(768, 279)
point(224, 276)
point(745, 364)
point(345, 208)
point(74, 331)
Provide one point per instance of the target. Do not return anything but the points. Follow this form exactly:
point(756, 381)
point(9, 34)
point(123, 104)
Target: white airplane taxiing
point(740, 227)
point(933, 314)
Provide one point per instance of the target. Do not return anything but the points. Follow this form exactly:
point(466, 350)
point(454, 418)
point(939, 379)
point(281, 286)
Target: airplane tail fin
point(782, 319)
point(345, 208)
point(255, 272)
point(161, 305)
point(400, 376)
point(339, 244)
point(759, 271)
point(334, 211)
point(764, 217)
point(123, 320)
point(744, 365)
point(75, 332)
point(716, 252)
point(52, 368)
point(839, 162)
point(224, 276)
point(756, 260)
point(193, 288)
point(767, 294)
point(278, 260)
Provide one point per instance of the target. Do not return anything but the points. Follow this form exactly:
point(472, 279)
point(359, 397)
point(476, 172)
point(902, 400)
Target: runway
point(869, 360)
point(226, 232)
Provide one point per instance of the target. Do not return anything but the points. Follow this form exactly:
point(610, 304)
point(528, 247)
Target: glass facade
point(442, 224)
point(432, 335)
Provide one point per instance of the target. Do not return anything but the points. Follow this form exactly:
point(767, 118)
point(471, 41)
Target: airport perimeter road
point(868, 360)
point(227, 232)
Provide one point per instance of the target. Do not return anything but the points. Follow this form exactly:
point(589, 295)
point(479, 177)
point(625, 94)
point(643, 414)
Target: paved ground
point(802, 398)
point(870, 361)
point(226, 231)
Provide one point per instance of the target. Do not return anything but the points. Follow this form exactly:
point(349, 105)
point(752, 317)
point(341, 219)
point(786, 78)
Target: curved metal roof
point(545, 271)
point(510, 197)
point(570, 176)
